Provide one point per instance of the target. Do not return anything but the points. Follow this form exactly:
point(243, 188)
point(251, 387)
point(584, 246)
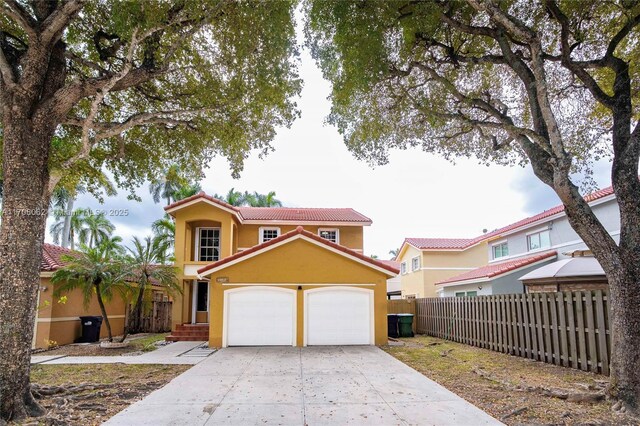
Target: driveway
point(302, 386)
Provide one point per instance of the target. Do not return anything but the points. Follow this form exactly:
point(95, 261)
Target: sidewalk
point(188, 353)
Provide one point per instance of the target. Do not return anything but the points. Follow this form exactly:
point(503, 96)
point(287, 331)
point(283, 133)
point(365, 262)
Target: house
point(537, 250)
point(393, 284)
point(57, 318)
point(276, 276)
point(426, 261)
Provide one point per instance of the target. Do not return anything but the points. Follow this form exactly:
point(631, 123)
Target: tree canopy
point(152, 84)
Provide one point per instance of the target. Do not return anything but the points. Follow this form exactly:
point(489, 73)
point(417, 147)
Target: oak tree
point(552, 83)
point(129, 88)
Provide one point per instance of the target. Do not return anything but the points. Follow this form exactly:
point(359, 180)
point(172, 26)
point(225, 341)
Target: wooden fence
point(403, 306)
point(156, 318)
point(566, 328)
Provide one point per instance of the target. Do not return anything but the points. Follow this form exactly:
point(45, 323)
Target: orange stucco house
point(255, 276)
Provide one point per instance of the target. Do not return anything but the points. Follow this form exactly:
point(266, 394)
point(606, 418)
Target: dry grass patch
point(90, 394)
point(512, 389)
point(138, 343)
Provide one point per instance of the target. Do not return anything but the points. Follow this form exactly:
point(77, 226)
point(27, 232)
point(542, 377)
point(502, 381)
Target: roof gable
point(298, 233)
point(51, 259)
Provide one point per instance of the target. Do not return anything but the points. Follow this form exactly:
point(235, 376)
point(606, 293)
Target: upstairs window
point(539, 240)
point(403, 268)
point(500, 250)
point(208, 244)
point(267, 234)
point(415, 263)
point(329, 234)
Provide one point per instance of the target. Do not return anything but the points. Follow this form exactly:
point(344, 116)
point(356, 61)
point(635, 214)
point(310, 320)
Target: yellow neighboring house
point(57, 321)
point(276, 276)
point(426, 261)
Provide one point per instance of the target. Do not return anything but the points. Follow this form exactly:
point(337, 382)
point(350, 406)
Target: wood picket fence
point(156, 318)
point(565, 328)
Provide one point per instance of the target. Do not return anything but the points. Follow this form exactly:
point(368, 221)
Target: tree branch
point(6, 71)
point(57, 21)
point(17, 12)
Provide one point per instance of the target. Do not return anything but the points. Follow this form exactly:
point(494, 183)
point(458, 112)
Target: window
point(267, 234)
point(208, 244)
point(500, 250)
point(403, 268)
point(330, 234)
point(459, 293)
point(467, 294)
point(539, 240)
point(415, 263)
point(472, 293)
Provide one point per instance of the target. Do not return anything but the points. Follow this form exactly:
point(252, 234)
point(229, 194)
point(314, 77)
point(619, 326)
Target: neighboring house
point(426, 261)
point(276, 276)
point(541, 243)
point(393, 284)
point(57, 319)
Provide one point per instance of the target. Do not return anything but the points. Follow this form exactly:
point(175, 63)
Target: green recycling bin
point(405, 323)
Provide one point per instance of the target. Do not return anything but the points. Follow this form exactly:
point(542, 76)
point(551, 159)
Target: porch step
point(189, 333)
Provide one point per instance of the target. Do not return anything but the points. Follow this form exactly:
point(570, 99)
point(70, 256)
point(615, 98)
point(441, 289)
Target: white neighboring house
point(521, 248)
point(393, 284)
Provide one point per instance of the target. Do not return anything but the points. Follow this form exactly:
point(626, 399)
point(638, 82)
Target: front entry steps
point(189, 333)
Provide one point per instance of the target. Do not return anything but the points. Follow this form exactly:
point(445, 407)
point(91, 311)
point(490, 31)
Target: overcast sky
point(415, 195)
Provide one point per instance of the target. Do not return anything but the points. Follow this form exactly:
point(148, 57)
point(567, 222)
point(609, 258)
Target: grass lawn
point(144, 342)
point(90, 394)
point(512, 389)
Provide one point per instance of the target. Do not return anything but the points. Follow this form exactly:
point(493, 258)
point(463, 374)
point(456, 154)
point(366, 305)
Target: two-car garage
point(268, 316)
point(297, 290)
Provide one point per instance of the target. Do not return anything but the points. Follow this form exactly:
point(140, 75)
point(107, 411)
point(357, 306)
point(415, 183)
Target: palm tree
point(262, 200)
point(147, 265)
point(166, 187)
point(233, 197)
point(165, 229)
point(76, 220)
point(96, 228)
point(93, 271)
point(394, 253)
point(186, 191)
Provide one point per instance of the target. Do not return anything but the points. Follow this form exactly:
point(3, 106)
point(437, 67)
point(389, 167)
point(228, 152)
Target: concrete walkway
point(302, 386)
point(187, 353)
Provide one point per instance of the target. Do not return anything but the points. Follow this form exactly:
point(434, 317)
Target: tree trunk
point(26, 141)
point(66, 230)
point(105, 318)
point(137, 311)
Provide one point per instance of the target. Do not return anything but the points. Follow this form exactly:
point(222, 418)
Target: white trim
point(336, 230)
point(372, 336)
point(64, 319)
point(225, 311)
point(196, 248)
point(297, 284)
point(497, 243)
point(405, 272)
point(449, 269)
point(194, 300)
point(267, 228)
point(538, 230)
point(289, 240)
point(495, 277)
point(303, 222)
point(204, 200)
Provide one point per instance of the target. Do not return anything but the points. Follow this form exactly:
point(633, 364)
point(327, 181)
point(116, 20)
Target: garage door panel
point(339, 317)
point(260, 317)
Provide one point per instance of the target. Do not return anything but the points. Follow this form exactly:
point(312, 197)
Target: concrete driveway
point(302, 386)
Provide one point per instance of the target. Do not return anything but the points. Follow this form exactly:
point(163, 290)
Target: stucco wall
point(59, 322)
point(290, 265)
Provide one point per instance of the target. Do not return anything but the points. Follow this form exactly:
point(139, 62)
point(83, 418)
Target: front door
point(200, 312)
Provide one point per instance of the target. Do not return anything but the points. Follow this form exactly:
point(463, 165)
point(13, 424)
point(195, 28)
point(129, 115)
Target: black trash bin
point(392, 325)
point(405, 325)
point(90, 329)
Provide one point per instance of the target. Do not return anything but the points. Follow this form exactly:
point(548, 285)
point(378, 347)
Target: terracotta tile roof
point(439, 243)
point(495, 269)
point(285, 214)
point(394, 264)
point(298, 231)
point(296, 214)
point(463, 243)
point(51, 257)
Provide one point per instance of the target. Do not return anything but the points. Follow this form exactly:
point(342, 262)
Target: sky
point(416, 195)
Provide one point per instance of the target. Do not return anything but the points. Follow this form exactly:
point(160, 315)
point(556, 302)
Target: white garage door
point(263, 316)
point(339, 316)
